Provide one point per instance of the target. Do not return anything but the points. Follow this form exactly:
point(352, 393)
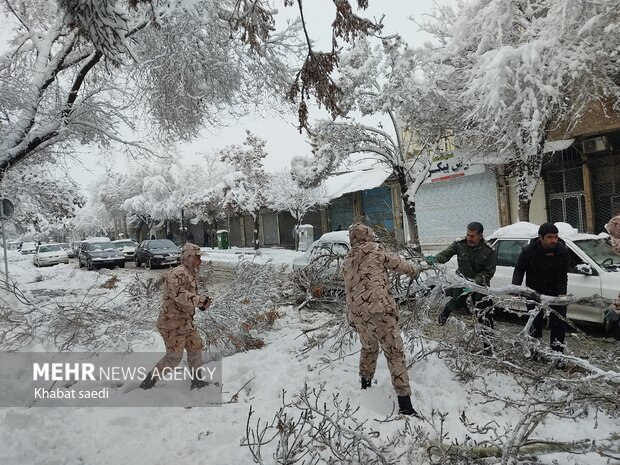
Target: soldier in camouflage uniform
point(476, 261)
point(373, 312)
point(176, 319)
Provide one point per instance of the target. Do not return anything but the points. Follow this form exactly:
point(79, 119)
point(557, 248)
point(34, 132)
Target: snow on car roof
point(97, 239)
point(530, 230)
point(335, 236)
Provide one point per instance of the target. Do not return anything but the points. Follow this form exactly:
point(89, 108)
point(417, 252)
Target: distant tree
point(285, 194)
point(381, 80)
point(245, 189)
point(93, 219)
point(160, 196)
point(205, 202)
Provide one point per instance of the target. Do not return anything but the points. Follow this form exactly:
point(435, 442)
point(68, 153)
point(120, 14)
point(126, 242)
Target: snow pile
point(530, 230)
point(339, 184)
point(284, 374)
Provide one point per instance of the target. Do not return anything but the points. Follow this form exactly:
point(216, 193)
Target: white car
point(320, 265)
point(28, 247)
point(50, 254)
point(333, 243)
point(595, 267)
point(67, 248)
point(127, 247)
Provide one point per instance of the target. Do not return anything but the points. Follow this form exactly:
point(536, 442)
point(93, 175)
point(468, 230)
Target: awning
point(557, 145)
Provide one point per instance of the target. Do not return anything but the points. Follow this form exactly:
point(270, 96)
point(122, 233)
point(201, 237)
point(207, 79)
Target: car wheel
point(121, 265)
point(137, 262)
point(80, 264)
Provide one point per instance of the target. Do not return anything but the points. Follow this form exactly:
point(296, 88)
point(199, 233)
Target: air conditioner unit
point(596, 144)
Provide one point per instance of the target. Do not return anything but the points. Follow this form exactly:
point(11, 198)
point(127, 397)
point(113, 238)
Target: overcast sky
point(283, 139)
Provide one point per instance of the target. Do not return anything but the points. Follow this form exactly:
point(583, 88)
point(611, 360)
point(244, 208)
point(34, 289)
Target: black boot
point(405, 407)
point(148, 382)
point(366, 383)
point(198, 383)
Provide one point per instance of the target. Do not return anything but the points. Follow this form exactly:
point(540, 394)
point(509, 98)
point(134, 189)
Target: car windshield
point(122, 244)
point(162, 244)
point(49, 248)
point(601, 252)
point(100, 246)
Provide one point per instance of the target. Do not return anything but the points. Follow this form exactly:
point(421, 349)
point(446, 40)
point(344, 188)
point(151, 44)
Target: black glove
point(207, 303)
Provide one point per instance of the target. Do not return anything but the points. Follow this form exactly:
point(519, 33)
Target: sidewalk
point(277, 256)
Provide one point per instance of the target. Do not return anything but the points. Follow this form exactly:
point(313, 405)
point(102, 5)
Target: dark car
point(100, 254)
point(157, 252)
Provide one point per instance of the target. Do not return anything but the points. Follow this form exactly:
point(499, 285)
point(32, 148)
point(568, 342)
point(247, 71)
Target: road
point(588, 341)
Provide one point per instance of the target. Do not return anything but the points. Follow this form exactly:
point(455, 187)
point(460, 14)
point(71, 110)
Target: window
point(340, 249)
point(508, 251)
point(49, 248)
point(574, 261)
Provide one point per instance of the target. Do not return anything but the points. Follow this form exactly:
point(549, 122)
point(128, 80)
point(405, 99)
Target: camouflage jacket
point(365, 275)
point(475, 263)
point(181, 293)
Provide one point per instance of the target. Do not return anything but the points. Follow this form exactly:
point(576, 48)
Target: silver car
point(127, 247)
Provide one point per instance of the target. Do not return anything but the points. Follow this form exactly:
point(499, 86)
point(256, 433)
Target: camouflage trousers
point(381, 330)
point(177, 340)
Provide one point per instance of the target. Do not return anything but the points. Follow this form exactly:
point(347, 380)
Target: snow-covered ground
point(234, 254)
point(214, 435)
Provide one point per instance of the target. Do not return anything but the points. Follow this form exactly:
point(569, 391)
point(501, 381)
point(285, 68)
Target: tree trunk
point(256, 243)
point(296, 234)
point(524, 210)
point(409, 208)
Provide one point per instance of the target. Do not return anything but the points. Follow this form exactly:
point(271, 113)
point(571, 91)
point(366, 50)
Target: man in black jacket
point(544, 261)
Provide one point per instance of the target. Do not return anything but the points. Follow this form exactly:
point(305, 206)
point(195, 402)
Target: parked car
point(595, 267)
point(319, 267)
point(28, 248)
point(49, 254)
point(127, 247)
point(157, 252)
point(100, 254)
point(76, 247)
point(67, 248)
point(13, 245)
point(336, 243)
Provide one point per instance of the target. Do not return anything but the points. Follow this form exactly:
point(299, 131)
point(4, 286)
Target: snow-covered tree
point(381, 81)
point(285, 194)
point(205, 202)
point(43, 194)
point(77, 70)
point(161, 196)
point(93, 219)
point(246, 187)
point(524, 67)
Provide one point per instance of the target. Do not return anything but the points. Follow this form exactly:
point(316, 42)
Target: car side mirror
point(585, 269)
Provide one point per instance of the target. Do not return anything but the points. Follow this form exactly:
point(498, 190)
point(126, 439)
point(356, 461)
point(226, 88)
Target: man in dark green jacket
point(476, 261)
